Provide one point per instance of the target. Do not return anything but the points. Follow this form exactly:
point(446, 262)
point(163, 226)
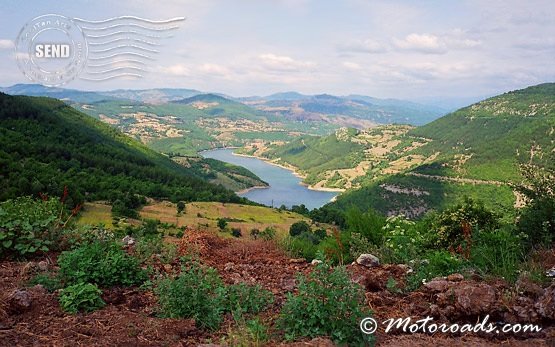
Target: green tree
point(222, 224)
point(180, 207)
point(298, 228)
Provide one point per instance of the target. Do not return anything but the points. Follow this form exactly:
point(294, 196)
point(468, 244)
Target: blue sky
point(390, 48)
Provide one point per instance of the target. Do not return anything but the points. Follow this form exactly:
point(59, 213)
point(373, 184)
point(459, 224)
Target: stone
point(316, 262)
point(455, 277)
point(297, 260)
point(128, 240)
point(19, 301)
point(43, 265)
point(229, 266)
point(437, 285)
point(545, 306)
point(368, 260)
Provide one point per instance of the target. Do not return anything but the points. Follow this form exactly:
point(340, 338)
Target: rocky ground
point(31, 316)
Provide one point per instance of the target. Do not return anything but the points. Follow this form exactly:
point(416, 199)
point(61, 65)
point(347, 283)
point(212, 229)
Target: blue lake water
point(285, 188)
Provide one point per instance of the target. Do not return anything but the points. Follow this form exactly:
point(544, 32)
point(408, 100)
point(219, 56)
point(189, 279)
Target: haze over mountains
point(292, 105)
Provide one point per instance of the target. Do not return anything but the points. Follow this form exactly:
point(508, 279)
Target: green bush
point(327, 304)
point(300, 247)
point(449, 224)
point(403, 240)
point(267, 234)
point(498, 253)
point(28, 226)
point(197, 292)
point(100, 263)
point(48, 281)
point(298, 228)
point(81, 297)
point(148, 250)
point(247, 299)
point(336, 248)
point(436, 264)
point(236, 232)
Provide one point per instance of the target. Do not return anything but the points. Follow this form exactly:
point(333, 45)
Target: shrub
point(298, 228)
point(268, 234)
point(336, 248)
point(498, 253)
point(438, 263)
point(148, 248)
point(48, 281)
point(81, 297)
point(100, 263)
point(327, 304)
point(236, 232)
point(369, 224)
point(180, 207)
point(449, 225)
point(28, 226)
point(197, 292)
point(402, 240)
point(301, 247)
point(222, 224)
point(247, 299)
point(255, 233)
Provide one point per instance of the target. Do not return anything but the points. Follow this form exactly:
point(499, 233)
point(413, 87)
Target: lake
point(285, 188)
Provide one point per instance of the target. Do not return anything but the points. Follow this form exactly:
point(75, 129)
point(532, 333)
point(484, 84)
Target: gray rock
point(128, 240)
point(316, 261)
point(368, 260)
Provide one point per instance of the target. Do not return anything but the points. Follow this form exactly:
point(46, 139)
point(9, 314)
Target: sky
point(413, 50)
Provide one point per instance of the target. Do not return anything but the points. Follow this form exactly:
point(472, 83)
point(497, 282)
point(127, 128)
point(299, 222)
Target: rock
point(455, 277)
point(368, 260)
point(469, 299)
point(529, 288)
point(43, 265)
point(550, 272)
point(316, 262)
point(545, 306)
point(19, 301)
point(229, 266)
point(128, 240)
point(437, 285)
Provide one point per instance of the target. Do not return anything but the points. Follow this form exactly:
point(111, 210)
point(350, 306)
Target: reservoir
point(285, 188)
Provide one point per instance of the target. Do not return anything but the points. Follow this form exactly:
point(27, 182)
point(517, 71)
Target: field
point(201, 215)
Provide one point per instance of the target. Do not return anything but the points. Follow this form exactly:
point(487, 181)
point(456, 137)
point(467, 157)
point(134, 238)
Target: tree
point(180, 207)
point(298, 228)
point(222, 224)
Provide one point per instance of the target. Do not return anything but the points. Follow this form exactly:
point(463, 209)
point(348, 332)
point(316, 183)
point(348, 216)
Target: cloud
point(6, 44)
point(362, 46)
point(536, 44)
point(351, 66)
point(175, 70)
point(423, 43)
point(284, 63)
point(434, 44)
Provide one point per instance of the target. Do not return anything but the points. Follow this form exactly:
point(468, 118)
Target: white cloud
point(284, 63)
point(175, 70)
point(362, 46)
point(6, 44)
point(351, 66)
point(424, 43)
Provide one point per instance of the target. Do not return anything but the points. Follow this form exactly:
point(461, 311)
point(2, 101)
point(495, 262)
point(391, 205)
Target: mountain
point(336, 109)
point(46, 145)
point(58, 93)
point(153, 96)
point(475, 151)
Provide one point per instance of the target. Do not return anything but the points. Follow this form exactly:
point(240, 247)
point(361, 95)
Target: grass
point(94, 213)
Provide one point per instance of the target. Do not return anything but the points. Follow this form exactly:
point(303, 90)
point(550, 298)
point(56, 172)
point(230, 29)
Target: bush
point(336, 248)
point(222, 224)
point(438, 263)
point(268, 234)
point(81, 297)
point(197, 292)
point(327, 304)
point(100, 263)
point(236, 232)
point(148, 249)
point(247, 299)
point(449, 225)
point(301, 247)
point(402, 240)
point(498, 253)
point(28, 226)
point(369, 224)
point(48, 281)
point(298, 228)
point(255, 233)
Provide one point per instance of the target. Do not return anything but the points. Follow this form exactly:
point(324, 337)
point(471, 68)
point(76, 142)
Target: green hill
point(475, 151)
point(46, 145)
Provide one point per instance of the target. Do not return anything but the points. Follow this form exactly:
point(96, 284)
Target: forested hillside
point(46, 145)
